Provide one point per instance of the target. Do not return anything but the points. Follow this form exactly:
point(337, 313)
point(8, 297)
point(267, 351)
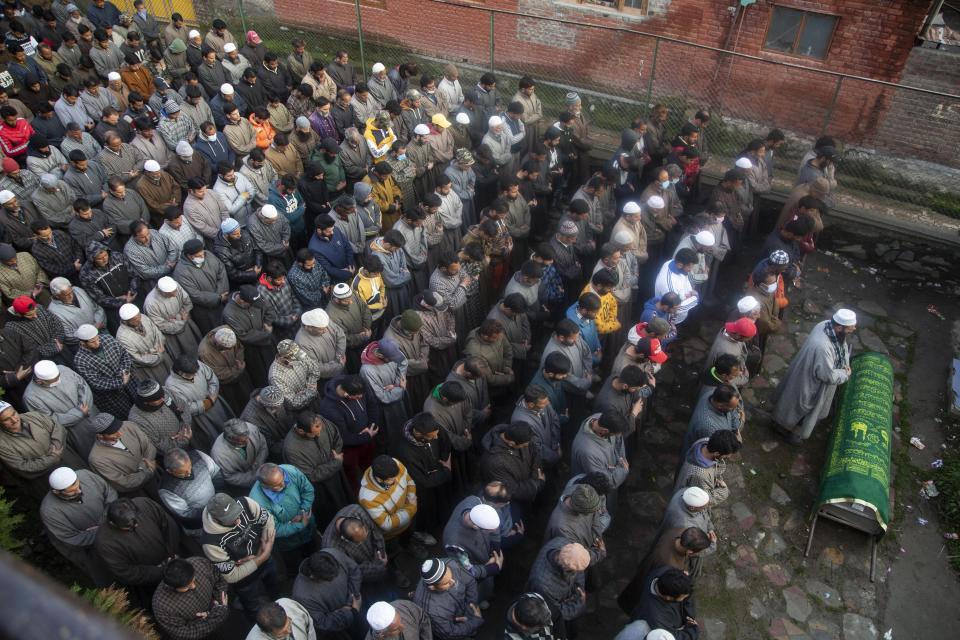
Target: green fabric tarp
point(857, 469)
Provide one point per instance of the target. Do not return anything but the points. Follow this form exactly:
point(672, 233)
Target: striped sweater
point(392, 508)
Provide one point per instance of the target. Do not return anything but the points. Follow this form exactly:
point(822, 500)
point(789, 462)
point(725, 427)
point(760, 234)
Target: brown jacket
point(286, 161)
point(226, 364)
point(28, 454)
point(159, 196)
point(125, 469)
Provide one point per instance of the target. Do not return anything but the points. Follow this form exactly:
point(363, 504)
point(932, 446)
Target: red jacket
point(14, 140)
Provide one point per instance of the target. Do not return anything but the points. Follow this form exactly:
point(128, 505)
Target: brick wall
point(921, 124)
point(873, 39)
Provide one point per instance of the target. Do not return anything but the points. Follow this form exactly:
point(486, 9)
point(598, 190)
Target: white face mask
point(655, 367)
point(770, 288)
point(212, 138)
point(674, 180)
point(198, 261)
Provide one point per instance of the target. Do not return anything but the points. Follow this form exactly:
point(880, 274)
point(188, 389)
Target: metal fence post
point(653, 70)
point(363, 59)
point(492, 24)
point(243, 16)
point(833, 104)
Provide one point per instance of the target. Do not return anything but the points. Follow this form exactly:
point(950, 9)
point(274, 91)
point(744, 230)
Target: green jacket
point(333, 172)
point(296, 497)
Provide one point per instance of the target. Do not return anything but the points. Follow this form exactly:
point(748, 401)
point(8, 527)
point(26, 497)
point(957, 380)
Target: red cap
point(743, 327)
point(650, 347)
point(9, 165)
point(23, 304)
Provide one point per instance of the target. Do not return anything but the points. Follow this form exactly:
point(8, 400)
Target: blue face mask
point(665, 184)
point(402, 156)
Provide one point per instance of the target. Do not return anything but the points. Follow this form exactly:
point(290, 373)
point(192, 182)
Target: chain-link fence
point(897, 143)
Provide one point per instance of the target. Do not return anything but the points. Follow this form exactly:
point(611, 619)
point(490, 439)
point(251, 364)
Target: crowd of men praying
point(323, 350)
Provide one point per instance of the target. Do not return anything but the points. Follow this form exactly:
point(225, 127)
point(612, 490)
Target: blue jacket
point(650, 312)
point(295, 498)
point(334, 255)
point(216, 107)
point(588, 329)
point(292, 206)
point(215, 152)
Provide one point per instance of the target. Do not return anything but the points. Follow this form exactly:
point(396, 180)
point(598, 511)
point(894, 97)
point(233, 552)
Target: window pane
point(784, 26)
point(816, 35)
point(633, 4)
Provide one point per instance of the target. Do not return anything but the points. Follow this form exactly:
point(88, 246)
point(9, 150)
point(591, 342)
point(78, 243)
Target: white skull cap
point(128, 311)
point(46, 370)
point(746, 304)
point(62, 477)
point(381, 615)
point(166, 284)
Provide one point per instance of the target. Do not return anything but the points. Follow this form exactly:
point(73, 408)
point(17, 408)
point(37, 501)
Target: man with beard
point(204, 210)
point(72, 512)
point(168, 306)
point(160, 418)
point(159, 190)
point(151, 255)
point(352, 314)
point(194, 386)
point(31, 444)
point(204, 279)
point(447, 594)
point(106, 367)
point(314, 446)
point(323, 340)
point(145, 344)
point(188, 482)
point(123, 208)
point(238, 252)
point(221, 351)
point(806, 392)
point(57, 391)
point(124, 457)
point(267, 411)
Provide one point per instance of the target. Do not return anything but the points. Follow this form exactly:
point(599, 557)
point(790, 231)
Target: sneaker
point(425, 539)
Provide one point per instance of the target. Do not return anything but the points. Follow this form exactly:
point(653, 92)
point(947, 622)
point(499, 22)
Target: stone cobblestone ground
point(759, 584)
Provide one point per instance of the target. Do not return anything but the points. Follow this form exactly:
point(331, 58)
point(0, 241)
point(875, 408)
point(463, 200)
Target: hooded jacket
point(350, 416)
point(391, 508)
point(422, 459)
point(224, 545)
